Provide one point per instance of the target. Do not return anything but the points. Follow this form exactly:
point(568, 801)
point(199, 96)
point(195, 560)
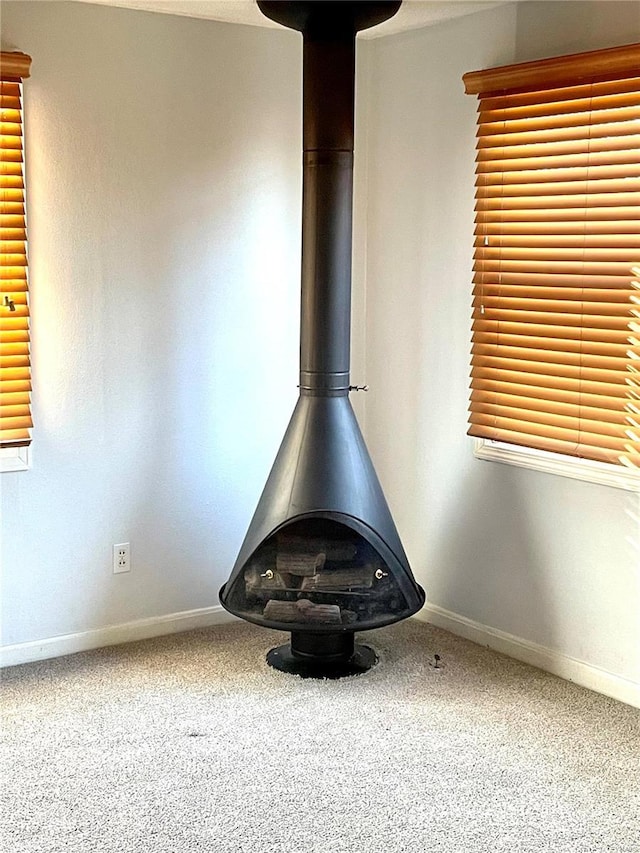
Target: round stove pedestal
point(316, 655)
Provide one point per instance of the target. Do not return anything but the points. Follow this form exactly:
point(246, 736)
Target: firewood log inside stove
point(302, 611)
point(335, 550)
point(340, 552)
point(300, 563)
point(360, 577)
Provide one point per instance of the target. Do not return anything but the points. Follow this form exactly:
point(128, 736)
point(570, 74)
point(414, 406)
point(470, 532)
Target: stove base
point(310, 655)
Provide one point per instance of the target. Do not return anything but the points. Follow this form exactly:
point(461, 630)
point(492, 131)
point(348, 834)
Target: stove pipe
point(322, 499)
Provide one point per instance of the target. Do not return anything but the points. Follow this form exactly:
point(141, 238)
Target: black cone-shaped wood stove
point(322, 557)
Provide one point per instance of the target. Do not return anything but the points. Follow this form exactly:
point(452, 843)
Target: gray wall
point(164, 194)
point(553, 561)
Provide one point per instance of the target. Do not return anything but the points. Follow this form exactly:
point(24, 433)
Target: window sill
point(15, 459)
point(556, 463)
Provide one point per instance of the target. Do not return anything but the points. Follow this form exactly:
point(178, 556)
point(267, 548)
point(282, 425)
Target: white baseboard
point(111, 635)
point(571, 669)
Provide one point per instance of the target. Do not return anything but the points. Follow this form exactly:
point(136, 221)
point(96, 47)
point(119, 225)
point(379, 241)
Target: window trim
point(15, 458)
point(572, 467)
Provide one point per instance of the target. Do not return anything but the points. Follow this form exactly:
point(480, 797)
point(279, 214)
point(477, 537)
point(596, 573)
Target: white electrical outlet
point(121, 558)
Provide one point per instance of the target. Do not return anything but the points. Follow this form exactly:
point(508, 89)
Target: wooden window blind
point(15, 368)
point(556, 284)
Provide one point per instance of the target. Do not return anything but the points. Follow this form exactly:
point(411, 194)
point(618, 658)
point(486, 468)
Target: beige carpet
point(190, 743)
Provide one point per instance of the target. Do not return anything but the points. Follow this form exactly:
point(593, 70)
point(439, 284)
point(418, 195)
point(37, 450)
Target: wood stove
point(322, 557)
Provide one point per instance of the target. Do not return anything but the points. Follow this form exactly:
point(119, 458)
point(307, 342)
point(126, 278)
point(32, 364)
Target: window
point(15, 371)
point(556, 293)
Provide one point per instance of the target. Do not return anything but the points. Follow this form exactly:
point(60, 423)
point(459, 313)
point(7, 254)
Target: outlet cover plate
point(121, 558)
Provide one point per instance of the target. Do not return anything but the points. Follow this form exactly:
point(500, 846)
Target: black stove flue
point(322, 557)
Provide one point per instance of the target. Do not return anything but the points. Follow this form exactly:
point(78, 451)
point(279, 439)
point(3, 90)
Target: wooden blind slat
point(537, 264)
point(562, 362)
point(568, 279)
point(618, 218)
point(17, 398)
point(570, 205)
point(9, 128)
point(500, 139)
point(14, 348)
point(558, 121)
point(626, 168)
point(625, 142)
point(488, 366)
point(495, 381)
point(18, 437)
point(12, 386)
point(568, 238)
point(580, 418)
point(528, 162)
point(563, 401)
point(10, 155)
point(563, 103)
point(12, 182)
point(8, 88)
point(14, 374)
point(11, 169)
point(548, 330)
point(10, 104)
point(550, 94)
point(547, 186)
point(13, 247)
point(13, 286)
point(606, 322)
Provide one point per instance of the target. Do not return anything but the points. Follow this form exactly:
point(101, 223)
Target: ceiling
point(412, 15)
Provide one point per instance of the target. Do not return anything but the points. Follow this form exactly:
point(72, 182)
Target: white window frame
point(15, 459)
point(557, 463)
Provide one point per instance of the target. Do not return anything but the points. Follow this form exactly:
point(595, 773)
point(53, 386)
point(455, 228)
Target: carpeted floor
point(191, 743)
